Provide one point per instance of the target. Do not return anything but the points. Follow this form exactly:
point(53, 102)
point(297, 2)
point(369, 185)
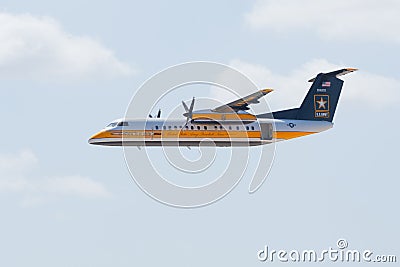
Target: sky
point(68, 68)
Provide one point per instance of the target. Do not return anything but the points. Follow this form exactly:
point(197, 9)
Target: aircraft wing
point(242, 103)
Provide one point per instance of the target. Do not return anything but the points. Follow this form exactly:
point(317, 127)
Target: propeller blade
point(185, 106)
point(191, 107)
point(189, 111)
point(186, 123)
point(159, 113)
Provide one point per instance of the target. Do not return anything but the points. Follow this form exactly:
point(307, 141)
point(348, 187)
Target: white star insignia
point(321, 103)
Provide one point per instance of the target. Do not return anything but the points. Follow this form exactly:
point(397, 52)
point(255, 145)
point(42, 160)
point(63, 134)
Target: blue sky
point(68, 68)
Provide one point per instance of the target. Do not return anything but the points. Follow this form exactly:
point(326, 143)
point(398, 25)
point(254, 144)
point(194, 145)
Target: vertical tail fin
point(321, 100)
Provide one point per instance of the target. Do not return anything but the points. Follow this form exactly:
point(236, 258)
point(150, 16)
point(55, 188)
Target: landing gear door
point(266, 131)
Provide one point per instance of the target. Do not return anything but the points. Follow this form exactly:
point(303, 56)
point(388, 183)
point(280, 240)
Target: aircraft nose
point(94, 138)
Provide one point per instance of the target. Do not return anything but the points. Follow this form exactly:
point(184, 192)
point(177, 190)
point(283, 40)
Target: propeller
point(189, 111)
point(158, 114)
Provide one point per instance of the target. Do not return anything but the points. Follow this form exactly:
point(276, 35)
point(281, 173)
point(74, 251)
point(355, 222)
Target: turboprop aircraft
point(232, 124)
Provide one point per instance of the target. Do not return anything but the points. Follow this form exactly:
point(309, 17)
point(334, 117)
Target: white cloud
point(16, 176)
point(360, 87)
point(23, 161)
point(353, 20)
point(38, 48)
point(76, 185)
point(13, 168)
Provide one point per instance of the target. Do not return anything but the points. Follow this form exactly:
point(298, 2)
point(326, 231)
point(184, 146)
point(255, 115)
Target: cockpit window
point(113, 124)
point(122, 123)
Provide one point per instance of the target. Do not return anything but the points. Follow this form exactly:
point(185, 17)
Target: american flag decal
point(326, 84)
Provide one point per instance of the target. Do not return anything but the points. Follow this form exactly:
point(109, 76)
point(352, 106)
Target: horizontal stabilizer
point(337, 73)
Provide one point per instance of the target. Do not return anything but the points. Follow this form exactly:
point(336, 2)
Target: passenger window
point(216, 127)
point(164, 127)
point(156, 127)
point(237, 128)
point(198, 127)
point(175, 127)
point(252, 127)
point(169, 127)
point(220, 127)
point(191, 127)
point(122, 123)
point(247, 128)
point(230, 127)
point(205, 127)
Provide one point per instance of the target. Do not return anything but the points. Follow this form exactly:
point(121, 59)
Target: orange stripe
point(177, 134)
point(223, 116)
point(195, 134)
point(290, 135)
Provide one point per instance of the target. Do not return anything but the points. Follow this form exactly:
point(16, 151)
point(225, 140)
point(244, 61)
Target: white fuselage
point(174, 132)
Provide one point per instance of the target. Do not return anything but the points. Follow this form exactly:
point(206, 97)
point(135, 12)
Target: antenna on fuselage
point(158, 114)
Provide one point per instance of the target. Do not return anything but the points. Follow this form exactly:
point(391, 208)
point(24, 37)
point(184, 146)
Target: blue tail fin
point(321, 100)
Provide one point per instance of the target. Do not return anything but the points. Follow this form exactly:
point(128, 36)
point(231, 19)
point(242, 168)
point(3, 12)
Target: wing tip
point(266, 90)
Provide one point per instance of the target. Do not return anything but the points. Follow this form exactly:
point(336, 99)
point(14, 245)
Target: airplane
point(232, 124)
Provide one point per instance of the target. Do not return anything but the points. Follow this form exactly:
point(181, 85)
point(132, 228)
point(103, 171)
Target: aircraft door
point(266, 131)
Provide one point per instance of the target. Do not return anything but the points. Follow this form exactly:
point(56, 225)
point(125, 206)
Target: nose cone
point(94, 139)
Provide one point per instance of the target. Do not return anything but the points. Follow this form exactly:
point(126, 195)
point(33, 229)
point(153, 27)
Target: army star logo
point(321, 106)
point(322, 103)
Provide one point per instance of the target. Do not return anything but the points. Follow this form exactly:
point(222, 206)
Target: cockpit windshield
point(113, 124)
point(120, 123)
